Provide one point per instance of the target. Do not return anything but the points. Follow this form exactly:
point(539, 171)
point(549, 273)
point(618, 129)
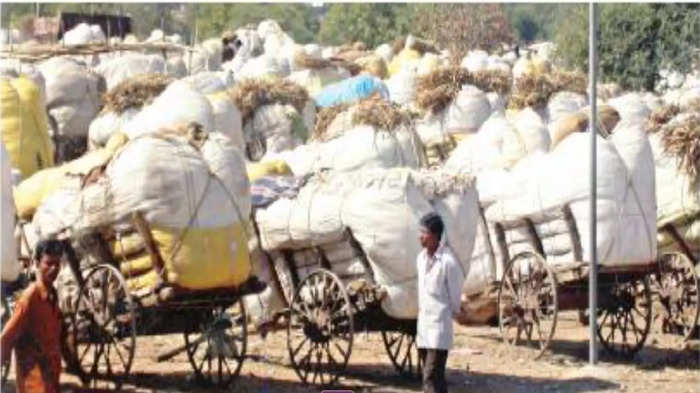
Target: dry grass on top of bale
point(324, 118)
point(661, 116)
point(437, 89)
point(533, 90)
point(419, 45)
point(372, 111)
point(682, 139)
point(379, 113)
point(251, 94)
point(303, 59)
point(135, 92)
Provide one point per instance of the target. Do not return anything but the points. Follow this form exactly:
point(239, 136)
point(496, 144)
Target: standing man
point(34, 329)
point(440, 278)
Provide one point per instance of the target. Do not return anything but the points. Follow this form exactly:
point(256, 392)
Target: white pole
point(593, 126)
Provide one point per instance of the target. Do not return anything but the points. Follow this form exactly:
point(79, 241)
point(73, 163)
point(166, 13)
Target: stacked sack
point(24, 126)
point(314, 72)
point(276, 115)
point(382, 208)
point(539, 187)
point(369, 134)
point(453, 106)
point(73, 98)
point(122, 102)
point(675, 142)
point(196, 210)
point(120, 69)
point(8, 245)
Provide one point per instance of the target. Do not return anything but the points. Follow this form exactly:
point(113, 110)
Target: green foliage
point(371, 23)
point(636, 41)
point(298, 20)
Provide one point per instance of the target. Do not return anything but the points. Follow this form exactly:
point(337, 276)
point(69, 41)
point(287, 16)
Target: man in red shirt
point(34, 329)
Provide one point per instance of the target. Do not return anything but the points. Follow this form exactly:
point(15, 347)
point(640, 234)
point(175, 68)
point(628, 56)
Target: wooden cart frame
point(532, 292)
point(106, 318)
point(326, 310)
point(676, 288)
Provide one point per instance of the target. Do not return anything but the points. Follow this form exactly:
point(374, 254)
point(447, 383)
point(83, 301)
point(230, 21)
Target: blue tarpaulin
point(351, 90)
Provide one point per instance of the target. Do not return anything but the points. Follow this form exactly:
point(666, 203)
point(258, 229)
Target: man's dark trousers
point(434, 362)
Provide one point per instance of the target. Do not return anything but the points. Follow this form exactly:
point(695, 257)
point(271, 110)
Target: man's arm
point(15, 327)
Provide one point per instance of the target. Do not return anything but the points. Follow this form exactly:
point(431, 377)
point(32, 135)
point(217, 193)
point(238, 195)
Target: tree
point(636, 41)
point(297, 20)
point(371, 23)
point(462, 27)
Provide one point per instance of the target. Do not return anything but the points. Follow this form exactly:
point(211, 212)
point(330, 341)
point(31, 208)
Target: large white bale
point(227, 118)
point(638, 219)
point(366, 147)
point(402, 85)
point(73, 95)
point(106, 124)
point(263, 66)
point(84, 34)
point(677, 195)
point(384, 211)
point(468, 111)
point(532, 131)
point(562, 177)
point(122, 68)
point(8, 253)
point(497, 145)
point(475, 60)
point(564, 103)
point(382, 208)
point(210, 82)
point(160, 175)
point(281, 126)
point(178, 103)
point(632, 107)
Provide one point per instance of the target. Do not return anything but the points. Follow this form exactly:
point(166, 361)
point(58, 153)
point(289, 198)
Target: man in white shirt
point(440, 279)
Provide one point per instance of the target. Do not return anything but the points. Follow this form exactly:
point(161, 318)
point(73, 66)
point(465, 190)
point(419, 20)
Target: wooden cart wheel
point(103, 329)
point(527, 302)
point(624, 317)
point(677, 287)
point(403, 352)
point(217, 352)
point(320, 330)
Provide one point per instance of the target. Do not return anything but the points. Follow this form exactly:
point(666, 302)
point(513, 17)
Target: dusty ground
point(480, 363)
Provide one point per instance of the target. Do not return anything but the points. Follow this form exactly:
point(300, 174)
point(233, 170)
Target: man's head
point(431, 231)
point(47, 257)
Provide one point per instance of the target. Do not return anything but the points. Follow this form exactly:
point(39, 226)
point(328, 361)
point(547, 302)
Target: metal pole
point(592, 127)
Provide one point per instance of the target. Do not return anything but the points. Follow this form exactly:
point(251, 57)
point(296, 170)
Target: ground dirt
point(479, 363)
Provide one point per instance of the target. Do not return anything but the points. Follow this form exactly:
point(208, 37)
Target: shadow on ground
point(649, 357)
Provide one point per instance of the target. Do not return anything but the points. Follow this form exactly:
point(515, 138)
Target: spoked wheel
point(103, 329)
point(320, 330)
point(677, 287)
point(217, 352)
point(527, 302)
point(624, 317)
point(403, 352)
